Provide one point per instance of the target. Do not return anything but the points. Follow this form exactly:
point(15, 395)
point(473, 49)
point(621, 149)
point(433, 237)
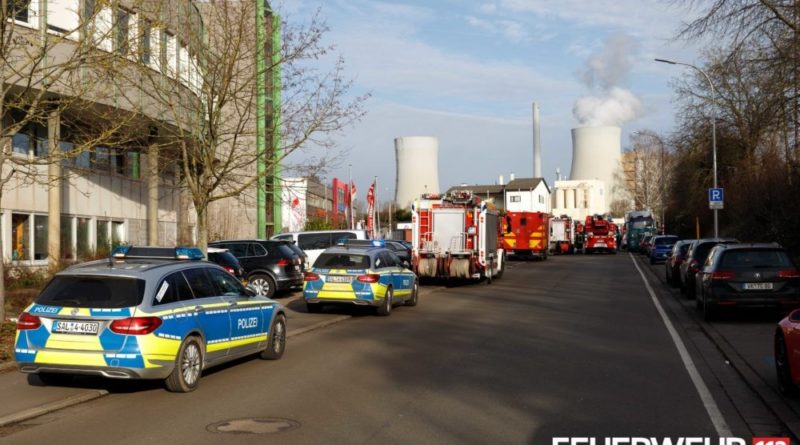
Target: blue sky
point(467, 71)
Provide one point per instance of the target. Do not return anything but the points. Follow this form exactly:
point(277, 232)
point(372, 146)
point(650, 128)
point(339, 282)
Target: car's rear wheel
point(185, 377)
point(783, 369)
point(414, 298)
point(277, 339)
point(264, 285)
point(312, 308)
point(386, 308)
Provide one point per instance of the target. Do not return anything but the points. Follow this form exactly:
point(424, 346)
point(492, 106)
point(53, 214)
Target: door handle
point(232, 303)
point(199, 309)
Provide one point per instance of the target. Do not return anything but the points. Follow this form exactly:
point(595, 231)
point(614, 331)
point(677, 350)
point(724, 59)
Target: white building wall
point(536, 200)
point(580, 198)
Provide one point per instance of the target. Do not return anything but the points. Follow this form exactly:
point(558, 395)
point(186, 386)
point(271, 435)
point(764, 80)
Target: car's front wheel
point(264, 285)
point(277, 339)
point(386, 307)
point(185, 377)
point(414, 298)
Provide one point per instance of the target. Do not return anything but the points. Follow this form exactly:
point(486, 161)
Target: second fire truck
point(456, 235)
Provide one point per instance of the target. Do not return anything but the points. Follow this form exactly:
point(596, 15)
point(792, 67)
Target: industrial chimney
point(537, 143)
point(417, 168)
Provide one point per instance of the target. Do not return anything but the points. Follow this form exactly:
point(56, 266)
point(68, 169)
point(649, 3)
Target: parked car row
point(722, 273)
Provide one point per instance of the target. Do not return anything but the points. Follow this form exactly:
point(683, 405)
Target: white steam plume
point(604, 72)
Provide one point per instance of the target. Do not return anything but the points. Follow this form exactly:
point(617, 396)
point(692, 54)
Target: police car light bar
point(163, 253)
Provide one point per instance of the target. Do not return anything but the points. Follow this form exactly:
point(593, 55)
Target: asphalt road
point(572, 346)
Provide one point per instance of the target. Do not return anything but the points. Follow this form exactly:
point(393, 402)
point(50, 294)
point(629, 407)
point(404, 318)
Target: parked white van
point(314, 242)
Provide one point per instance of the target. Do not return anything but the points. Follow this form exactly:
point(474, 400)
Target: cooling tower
point(596, 154)
point(417, 168)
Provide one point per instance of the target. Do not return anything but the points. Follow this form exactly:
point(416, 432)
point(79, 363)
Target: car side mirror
point(406, 264)
point(251, 290)
point(794, 315)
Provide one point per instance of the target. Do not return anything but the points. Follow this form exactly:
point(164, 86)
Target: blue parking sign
point(716, 198)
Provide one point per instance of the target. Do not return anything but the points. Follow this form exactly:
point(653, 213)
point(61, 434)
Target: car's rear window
point(342, 260)
point(225, 258)
point(665, 240)
point(755, 258)
point(92, 292)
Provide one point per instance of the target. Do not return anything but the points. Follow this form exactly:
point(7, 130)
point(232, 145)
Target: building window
point(40, 237)
point(123, 30)
point(118, 162)
point(19, 9)
point(102, 159)
point(170, 54)
point(102, 242)
point(21, 142)
point(67, 240)
point(117, 233)
point(541, 199)
point(41, 145)
point(132, 164)
point(84, 245)
point(145, 36)
point(20, 236)
point(61, 15)
point(515, 199)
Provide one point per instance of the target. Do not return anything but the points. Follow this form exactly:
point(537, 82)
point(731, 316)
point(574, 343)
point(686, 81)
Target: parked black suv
point(747, 275)
point(225, 258)
point(695, 257)
point(269, 266)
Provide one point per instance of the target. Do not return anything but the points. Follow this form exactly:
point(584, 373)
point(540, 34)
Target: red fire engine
point(526, 234)
point(600, 234)
point(456, 236)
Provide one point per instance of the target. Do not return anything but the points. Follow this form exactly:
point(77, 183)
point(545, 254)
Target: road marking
point(705, 395)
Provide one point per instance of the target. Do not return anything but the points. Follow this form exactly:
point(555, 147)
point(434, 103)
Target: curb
point(7, 367)
point(53, 406)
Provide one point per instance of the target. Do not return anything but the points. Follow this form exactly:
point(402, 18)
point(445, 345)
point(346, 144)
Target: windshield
point(92, 292)
point(342, 261)
point(755, 258)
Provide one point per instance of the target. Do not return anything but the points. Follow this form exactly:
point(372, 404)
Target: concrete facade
point(578, 199)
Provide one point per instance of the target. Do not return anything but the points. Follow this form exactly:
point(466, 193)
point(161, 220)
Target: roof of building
point(478, 189)
point(526, 183)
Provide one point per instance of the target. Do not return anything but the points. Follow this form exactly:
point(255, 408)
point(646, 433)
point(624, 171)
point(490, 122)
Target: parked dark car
point(674, 261)
point(695, 258)
point(737, 275)
point(228, 261)
point(660, 246)
point(270, 266)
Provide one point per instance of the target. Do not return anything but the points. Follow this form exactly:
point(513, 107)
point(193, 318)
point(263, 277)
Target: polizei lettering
point(247, 323)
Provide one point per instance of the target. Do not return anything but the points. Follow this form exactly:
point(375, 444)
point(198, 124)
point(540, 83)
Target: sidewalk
point(22, 401)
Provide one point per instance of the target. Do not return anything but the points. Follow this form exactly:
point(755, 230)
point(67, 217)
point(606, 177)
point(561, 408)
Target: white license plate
point(758, 286)
point(76, 327)
point(600, 245)
point(339, 279)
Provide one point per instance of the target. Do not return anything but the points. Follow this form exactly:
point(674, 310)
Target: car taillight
point(27, 321)
point(722, 275)
point(788, 273)
point(230, 270)
point(310, 276)
point(283, 262)
point(369, 278)
point(135, 325)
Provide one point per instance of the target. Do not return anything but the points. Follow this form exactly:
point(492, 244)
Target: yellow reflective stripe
point(71, 358)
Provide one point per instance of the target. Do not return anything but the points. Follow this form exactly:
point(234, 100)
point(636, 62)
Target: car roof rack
point(157, 253)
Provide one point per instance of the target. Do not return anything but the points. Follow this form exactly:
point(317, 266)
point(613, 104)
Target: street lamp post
point(713, 132)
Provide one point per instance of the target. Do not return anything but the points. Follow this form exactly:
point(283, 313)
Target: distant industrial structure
point(519, 195)
point(417, 168)
point(596, 156)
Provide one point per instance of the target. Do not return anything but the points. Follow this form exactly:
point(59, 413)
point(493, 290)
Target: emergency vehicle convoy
point(562, 235)
point(600, 234)
point(526, 234)
point(456, 235)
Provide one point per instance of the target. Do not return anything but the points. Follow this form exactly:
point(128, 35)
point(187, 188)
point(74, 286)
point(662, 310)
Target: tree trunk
point(2, 270)
point(202, 227)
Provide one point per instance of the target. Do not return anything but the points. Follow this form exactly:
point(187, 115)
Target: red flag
point(352, 192)
point(295, 202)
point(371, 210)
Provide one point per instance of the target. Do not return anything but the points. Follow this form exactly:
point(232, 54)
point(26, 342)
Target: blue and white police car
point(146, 313)
point(362, 275)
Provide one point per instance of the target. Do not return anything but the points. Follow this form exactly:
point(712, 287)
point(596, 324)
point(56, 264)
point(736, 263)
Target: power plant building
point(417, 168)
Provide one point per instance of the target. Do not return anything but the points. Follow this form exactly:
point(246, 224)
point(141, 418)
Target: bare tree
point(210, 95)
point(646, 183)
point(49, 79)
